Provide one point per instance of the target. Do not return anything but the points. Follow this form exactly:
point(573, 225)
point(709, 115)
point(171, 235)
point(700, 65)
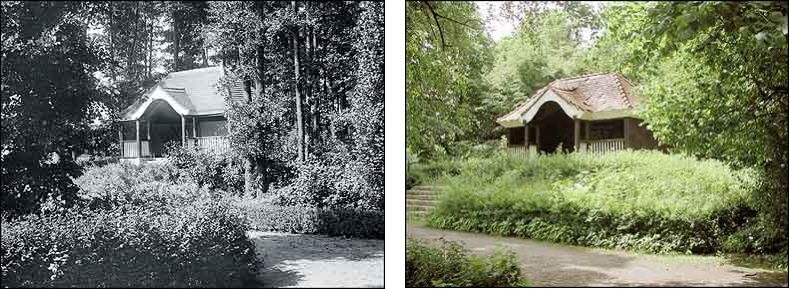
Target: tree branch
point(441, 34)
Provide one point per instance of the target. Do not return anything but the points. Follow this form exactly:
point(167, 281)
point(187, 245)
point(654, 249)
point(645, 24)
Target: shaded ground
point(293, 260)
point(546, 264)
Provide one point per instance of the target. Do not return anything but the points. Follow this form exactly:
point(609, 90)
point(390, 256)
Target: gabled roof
point(189, 92)
point(590, 96)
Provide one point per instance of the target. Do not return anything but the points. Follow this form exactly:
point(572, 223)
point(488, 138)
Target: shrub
point(265, 216)
point(217, 171)
point(117, 184)
point(634, 200)
point(129, 246)
point(450, 265)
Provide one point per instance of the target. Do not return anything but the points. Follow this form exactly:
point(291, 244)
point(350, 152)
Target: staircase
point(421, 199)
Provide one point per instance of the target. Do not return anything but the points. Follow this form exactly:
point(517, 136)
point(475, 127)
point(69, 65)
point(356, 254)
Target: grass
point(643, 200)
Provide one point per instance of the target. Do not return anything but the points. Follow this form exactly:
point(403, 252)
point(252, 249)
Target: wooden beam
point(576, 130)
point(139, 143)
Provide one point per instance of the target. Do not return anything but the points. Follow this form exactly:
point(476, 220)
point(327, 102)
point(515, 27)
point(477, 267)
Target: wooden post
point(587, 130)
point(148, 130)
point(139, 144)
point(626, 143)
point(183, 131)
point(120, 138)
point(526, 136)
point(194, 128)
point(576, 130)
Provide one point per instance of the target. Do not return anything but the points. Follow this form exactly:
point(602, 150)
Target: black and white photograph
point(192, 144)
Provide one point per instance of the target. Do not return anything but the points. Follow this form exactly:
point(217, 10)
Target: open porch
point(161, 126)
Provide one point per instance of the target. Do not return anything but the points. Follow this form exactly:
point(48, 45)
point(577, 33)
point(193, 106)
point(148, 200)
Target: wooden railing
point(215, 144)
point(130, 149)
point(602, 146)
point(522, 151)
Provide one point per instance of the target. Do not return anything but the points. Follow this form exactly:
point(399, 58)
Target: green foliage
point(634, 200)
point(444, 74)
point(203, 244)
point(266, 216)
point(714, 77)
point(450, 265)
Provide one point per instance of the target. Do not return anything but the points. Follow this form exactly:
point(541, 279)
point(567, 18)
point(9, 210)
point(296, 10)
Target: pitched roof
point(194, 90)
point(588, 93)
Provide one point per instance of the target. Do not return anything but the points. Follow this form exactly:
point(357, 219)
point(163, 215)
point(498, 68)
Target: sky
point(500, 27)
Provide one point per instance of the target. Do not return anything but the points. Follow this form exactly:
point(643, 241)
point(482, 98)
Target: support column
point(576, 130)
point(139, 144)
point(587, 130)
point(120, 138)
point(194, 128)
point(537, 138)
point(183, 131)
point(526, 136)
point(148, 131)
point(626, 143)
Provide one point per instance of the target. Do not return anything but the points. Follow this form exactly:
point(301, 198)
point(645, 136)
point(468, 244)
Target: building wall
point(212, 126)
point(638, 137)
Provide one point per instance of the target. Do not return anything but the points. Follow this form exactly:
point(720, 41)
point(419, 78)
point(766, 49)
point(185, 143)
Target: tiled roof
point(590, 93)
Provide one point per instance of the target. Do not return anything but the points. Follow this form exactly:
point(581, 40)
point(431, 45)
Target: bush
point(130, 246)
point(118, 184)
point(633, 200)
point(450, 265)
point(310, 220)
point(217, 171)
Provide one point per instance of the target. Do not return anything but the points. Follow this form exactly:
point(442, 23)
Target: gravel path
point(548, 265)
point(293, 260)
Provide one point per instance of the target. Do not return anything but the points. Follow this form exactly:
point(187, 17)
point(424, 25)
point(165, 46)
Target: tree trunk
point(248, 179)
point(176, 40)
point(299, 121)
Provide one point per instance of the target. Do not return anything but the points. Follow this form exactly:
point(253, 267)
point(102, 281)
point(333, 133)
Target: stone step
point(428, 188)
point(418, 208)
point(420, 197)
point(429, 203)
point(418, 192)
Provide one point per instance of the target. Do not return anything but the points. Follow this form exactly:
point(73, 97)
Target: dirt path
point(293, 260)
point(546, 264)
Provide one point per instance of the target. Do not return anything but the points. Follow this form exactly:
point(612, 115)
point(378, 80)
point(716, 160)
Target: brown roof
point(591, 93)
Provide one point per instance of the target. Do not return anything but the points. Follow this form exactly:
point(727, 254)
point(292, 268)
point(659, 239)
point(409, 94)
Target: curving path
point(550, 265)
point(295, 260)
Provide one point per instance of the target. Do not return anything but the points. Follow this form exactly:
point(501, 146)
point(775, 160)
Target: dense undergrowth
point(642, 200)
point(448, 264)
point(133, 226)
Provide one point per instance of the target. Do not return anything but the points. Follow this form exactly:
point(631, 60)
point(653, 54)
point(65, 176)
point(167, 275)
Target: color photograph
point(596, 144)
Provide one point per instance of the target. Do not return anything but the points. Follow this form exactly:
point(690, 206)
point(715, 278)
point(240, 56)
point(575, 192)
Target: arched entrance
point(556, 128)
point(165, 125)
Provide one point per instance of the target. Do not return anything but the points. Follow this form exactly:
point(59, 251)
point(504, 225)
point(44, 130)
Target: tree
point(308, 128)
point(731, 59)
point(446, 56)
point(46, 89)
